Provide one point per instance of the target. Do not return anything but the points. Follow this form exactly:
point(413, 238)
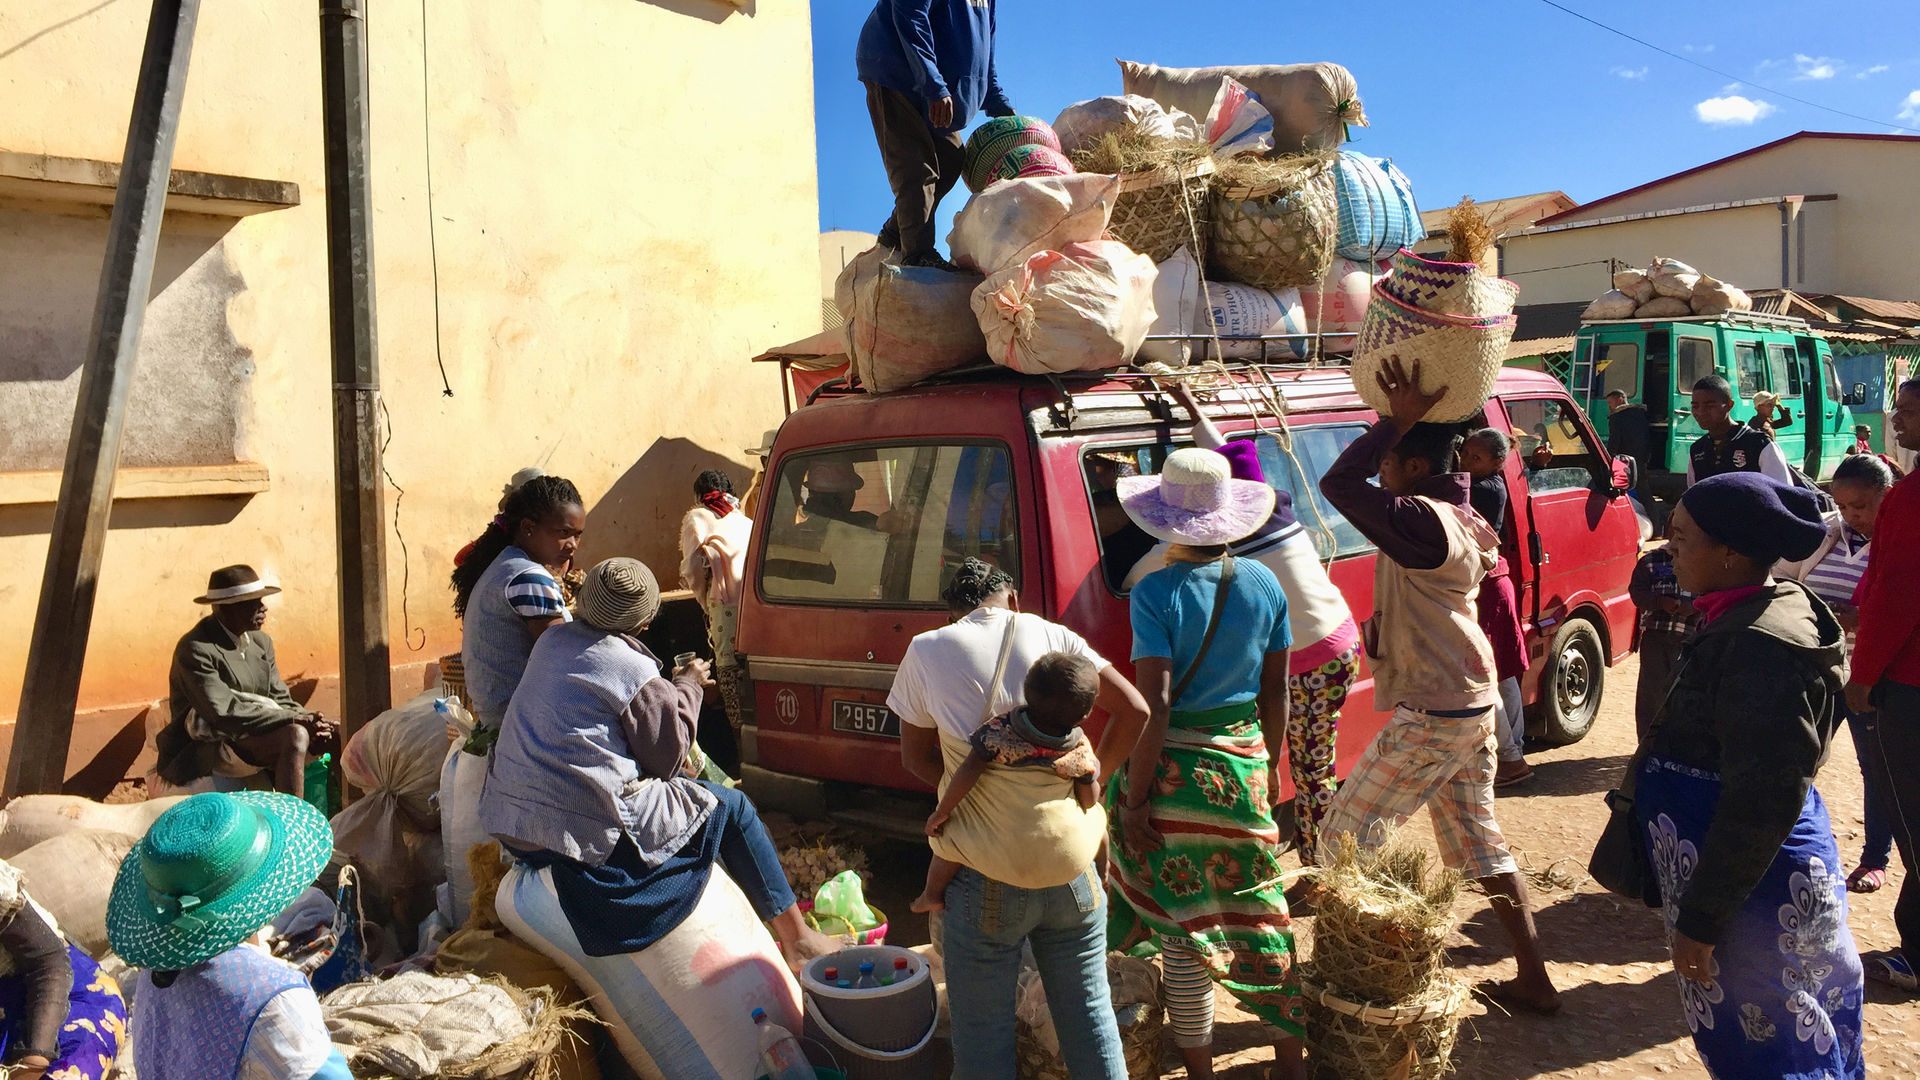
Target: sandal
point(1892, 969)
point(1866, 879)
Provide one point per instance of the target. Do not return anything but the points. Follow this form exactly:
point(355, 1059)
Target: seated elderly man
point(232, 713)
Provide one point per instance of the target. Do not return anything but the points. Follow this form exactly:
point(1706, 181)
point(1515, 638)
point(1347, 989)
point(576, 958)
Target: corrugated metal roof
point(1882, 309)
point(1539, 347)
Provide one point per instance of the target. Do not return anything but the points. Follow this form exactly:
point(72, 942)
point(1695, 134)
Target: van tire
point(1573, 678)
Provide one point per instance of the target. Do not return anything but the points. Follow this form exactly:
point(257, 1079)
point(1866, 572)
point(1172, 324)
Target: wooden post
point(42, 733)
point(360, 518)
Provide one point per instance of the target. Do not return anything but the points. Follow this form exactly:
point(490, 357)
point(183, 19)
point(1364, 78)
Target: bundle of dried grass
point(1469, 234)
point(1162, 203)
point(1135, 151)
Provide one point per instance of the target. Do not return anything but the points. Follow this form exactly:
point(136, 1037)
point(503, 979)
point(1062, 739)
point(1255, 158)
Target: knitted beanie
point(1757, 516)
point(619, 595)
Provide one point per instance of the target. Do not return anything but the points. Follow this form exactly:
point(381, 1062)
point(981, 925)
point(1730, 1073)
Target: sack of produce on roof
point(1161, 205)
point(1231, 310)
point(1612, 304)
point(1378, 215)
point(1715, 297)
point(1273, 221)
point(1462, 354)
point(1126, 116)
point(1086, 307)
point(1663, 307)
point(1671, 277)
point(1634, 283)
point(1013, 219)
point(992, 140)
point(1312, 104)
point(1237, 123)
point(1337, 303)
point(905, 323)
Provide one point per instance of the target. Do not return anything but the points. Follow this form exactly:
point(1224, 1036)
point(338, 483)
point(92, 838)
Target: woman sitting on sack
point(1739, 841)
point(188, 906)
point(586, 786)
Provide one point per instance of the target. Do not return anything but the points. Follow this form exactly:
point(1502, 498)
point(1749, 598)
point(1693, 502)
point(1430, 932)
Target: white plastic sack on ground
point(33, 819)
point(71, 876)
point(396, 761)
point(1671, 277)
point(1084, 123)
point(415, 1025)
point(905, 324)
point(1338, 303)
point(1312, 104)
point(1237, 123)
point(1663, 307)
point(1714, 297)
point(462, 778)
point(1013, 219)
point(1612, 304)
point(1086, 307)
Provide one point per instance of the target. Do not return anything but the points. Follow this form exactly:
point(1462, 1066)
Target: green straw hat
point(210, 873)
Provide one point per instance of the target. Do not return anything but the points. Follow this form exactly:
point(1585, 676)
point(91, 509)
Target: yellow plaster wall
point(1739, 245)
point(626, 211)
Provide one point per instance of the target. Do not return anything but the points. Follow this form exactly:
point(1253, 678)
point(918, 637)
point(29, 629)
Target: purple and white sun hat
point(1195, 500)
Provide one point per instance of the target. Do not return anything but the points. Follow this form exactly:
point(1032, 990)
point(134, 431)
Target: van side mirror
point(1857, 395)
point(1626, 474)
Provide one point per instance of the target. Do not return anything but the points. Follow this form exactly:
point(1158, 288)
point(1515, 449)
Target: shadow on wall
point(37, 519)
point(713, 11)
point(639, 516)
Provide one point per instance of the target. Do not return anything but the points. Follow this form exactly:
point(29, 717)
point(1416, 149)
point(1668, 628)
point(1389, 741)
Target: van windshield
point(1123, 544)
point(887, 525)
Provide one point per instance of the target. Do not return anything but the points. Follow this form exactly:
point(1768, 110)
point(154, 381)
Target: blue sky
point(1487, 98)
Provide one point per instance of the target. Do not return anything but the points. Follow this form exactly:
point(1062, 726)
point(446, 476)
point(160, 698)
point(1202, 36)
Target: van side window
point(1784, 367)
point(1749, 367)
point(887, 524)
point(1693, 361)
point(1618, 368)
point(1552, 423)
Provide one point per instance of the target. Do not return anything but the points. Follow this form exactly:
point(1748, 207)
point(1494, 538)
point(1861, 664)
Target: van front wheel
point(1571, 683)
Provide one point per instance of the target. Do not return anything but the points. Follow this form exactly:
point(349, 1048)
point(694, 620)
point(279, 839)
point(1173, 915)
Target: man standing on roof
point(928, 66)
point(1729, 446)
point(1432, 664)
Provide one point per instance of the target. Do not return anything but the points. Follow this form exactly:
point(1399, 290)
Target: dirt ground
point(1608, 956)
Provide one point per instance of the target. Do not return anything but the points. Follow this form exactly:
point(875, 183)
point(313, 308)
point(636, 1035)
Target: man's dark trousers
point(1894, 754)
point(922, 165)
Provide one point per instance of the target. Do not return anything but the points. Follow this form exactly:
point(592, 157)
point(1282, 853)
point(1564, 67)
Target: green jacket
point(223, 687)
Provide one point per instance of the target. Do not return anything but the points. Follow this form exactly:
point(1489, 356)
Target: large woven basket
point(1353, 1040)
point(1159, 211)
point(1463, 355)
point(1449, 288)
point(1273, 237)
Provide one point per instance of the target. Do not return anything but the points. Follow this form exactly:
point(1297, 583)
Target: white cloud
point(1696, 48)
point(1810, 68)
point(1630, 73)
point(1734, 110)
point(1871, 72)
point(1909, 109)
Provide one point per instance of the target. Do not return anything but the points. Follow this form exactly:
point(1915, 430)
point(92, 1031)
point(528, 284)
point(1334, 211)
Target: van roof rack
point(1752, 319)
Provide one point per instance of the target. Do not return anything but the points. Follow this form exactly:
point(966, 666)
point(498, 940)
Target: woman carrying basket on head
point(1195, 848)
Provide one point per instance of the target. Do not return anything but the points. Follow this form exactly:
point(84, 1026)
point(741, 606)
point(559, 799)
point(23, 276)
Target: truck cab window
point(1693, 361)
point(886, 524)
point(1553, 424)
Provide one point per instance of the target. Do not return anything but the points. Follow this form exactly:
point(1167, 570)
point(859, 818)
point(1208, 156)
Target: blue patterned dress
point(96, 1021)
point(1786, 988)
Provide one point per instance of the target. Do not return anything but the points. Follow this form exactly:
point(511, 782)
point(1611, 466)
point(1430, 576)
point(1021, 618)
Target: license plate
point(865, 718)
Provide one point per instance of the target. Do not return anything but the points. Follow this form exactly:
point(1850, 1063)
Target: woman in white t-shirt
point(1040, 887)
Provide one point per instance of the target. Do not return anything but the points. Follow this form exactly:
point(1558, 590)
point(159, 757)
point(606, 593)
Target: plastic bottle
point(899, 970)
point(780, 1055)
point(830, 976)
point(866, 980)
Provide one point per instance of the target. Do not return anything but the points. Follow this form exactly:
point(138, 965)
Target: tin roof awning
point(47, 179)
point(826, 349)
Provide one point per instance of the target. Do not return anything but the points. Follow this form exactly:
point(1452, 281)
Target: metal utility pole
point(360, 519)
point(44, 730)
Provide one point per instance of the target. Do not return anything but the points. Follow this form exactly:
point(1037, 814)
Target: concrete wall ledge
point(150, 482)
point(46, 178)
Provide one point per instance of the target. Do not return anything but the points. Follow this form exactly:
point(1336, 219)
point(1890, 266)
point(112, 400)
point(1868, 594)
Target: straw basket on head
point(1274, 231)
point(1159, 211)
point(1352, 1040)
point(1464, 355)
point(1449, 288)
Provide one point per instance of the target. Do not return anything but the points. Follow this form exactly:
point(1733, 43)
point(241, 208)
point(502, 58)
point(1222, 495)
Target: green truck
point(1656, 362)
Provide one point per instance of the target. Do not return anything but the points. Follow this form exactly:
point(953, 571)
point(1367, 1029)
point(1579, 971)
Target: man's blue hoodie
point(930, 49)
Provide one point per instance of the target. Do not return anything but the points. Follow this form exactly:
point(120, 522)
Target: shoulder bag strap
point(1000, 669)
point(1213, 625)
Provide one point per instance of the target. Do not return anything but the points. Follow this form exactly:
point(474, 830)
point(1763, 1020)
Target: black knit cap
point(1757, 516)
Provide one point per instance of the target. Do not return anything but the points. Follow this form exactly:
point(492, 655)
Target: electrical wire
point(1727, 75)
point(406, 560)
point(433, 239)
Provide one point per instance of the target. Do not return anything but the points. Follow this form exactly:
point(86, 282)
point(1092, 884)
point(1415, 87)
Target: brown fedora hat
point(233, 584)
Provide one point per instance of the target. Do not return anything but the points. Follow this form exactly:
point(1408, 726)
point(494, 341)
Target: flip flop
point(1866, 879)
point(1892, 969)
point(1507, 997)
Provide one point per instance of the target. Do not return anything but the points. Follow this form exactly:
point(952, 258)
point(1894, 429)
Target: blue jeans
point(747, 851)
point(1877, 850)
point(985, 924)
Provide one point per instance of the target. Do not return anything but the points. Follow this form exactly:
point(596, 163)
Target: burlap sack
point(1312, 104)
